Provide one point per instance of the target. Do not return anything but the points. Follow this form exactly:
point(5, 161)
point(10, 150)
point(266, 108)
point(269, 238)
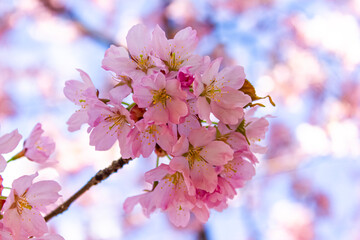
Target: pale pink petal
point(198, 85)
point(157, 113)
point(33, 222)
point(77, 119)
point(160, 81)
point(173, 88)
point(85, 77)
point(166, 139)
point(232, 98)
point(160, 43)
point(180, 147)
point(9, 141)
point(73, 91)
point(179, 215)
point(203, 108)
point(201, 212)
point(138, 40)
point(258, 149)
point(3, 163)
point(190, 123)
point(211, 72)
point(157, 173)
point(119, 65)
point(257, 128)
point(34, 136)
point(118, 93)
point(102, 137)
point(43, 193)
point(180, 164)
point(142, 96)
point(130, 202)
point(185, 41)
point(177, 109)
point(217, 153)
point(204, 176)
point(232, 77)
point(202, 136)
point(21, 184)
point(117, 60)
point(228, 116)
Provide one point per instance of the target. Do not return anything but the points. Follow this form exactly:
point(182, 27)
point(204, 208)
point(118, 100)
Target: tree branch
point(99, 176)
point(202, 234)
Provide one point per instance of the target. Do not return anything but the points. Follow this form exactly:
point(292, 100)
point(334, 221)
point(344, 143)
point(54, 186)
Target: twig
point(100, 176)
point(202, 234)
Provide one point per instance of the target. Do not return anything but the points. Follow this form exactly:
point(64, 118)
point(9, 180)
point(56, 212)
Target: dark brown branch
point(202, 234)
point(100, 176)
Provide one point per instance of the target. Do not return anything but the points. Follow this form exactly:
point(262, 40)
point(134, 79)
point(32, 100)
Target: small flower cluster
point(20, 211)
point(165, 100)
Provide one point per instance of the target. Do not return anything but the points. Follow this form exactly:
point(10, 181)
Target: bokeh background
point(305, 54)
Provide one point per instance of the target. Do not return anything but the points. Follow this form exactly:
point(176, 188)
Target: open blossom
point(26, 200)
point(217, 93)
point(178, 52)
point(164, 98)
point(37, 147)
point(174, 194)
point(139, 63)
point(144, 137)
point(82, 94)
point(8, 142)
point(108, 124)
point(200, 153)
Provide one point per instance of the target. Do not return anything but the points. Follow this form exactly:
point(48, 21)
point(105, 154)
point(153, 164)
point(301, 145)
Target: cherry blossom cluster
point(20, 210)
point(182, 106)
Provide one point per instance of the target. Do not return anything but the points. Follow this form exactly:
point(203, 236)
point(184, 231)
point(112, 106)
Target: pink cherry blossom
point(218, 93)
point(200, 153)
point(38, 148)
point(136, 63)
point(164, 98)
point(109, 123)
point(219, 197)
point(173, 194)
point(82, 94)
point(8, 142)
point(238, 170)
point(178, 52)
point(22, 207)
point(144, 137)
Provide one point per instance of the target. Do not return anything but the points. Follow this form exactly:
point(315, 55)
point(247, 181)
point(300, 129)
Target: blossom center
point(193, 155)
point(117, 120)
point(143, 63)
point(210, 91)
point(174, 62)
point(174, 178)
point(21, 203)
point(160, 96)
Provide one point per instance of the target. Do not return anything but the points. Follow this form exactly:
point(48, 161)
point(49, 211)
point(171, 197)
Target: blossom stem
point(130, 106)
point(157, 161)
point(99, 177)
point(17, 156)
